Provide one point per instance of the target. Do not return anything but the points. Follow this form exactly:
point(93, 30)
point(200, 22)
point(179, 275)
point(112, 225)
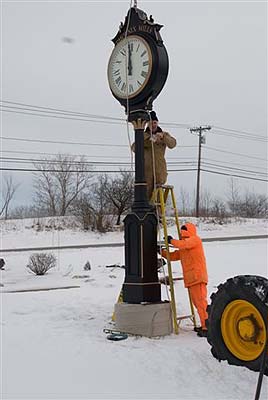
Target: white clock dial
point(130, 67)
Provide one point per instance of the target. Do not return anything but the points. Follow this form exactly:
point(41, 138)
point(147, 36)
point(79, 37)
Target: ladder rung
point(184, 317)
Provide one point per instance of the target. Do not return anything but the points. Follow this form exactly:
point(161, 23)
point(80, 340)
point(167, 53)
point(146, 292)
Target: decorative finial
point(135, 3)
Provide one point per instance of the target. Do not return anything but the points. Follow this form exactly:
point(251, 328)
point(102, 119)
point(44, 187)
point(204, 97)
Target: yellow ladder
point(159, 198)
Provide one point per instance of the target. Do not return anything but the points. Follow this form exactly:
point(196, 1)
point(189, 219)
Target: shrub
point(40, 263)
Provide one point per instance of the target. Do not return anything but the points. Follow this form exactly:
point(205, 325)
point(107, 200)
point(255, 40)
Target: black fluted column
point(141, 280)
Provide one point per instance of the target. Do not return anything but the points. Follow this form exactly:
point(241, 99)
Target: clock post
point(137, 71)
point(141, 280)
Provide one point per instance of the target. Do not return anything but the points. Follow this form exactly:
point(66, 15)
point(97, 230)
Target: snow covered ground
point(64, 230)
point(53, 346)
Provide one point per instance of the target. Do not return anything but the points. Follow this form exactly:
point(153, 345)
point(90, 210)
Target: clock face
point(130, 67)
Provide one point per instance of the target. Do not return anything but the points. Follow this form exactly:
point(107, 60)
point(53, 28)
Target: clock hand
point(129, 61)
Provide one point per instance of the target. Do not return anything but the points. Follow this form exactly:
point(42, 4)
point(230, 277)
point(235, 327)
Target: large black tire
point(237, 321)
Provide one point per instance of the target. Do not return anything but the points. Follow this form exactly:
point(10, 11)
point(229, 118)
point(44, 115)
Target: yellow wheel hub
point(243, 330)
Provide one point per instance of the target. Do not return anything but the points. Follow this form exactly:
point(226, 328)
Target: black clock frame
point(139, 25)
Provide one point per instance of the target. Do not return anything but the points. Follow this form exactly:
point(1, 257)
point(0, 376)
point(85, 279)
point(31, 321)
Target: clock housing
point(136, 82)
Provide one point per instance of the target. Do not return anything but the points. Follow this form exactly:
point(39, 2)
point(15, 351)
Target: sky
point(55, 55)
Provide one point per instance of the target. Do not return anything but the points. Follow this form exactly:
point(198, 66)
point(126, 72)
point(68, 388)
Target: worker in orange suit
point(193, 261)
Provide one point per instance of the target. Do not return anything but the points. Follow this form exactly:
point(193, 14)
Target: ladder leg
point(119, 300)
point(192, 309)
point(176, 213)
point(173, 303)
point(179, 235)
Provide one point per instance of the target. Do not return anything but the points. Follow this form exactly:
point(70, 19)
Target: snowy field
point(53, 345)
point(64, 231)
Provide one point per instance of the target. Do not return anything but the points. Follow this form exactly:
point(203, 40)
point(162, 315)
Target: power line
point(65, 112)
point(237, 136)
point(90, 171)
point(237, 154)
point(119, 156)
point(234, 168)
point(65, 142)
point(234, 175)
point(51, 110)
point(118, 171)
point(238, 131)
point(90, 117)
point(178, 160)
point(66, 118)
point(18, 160)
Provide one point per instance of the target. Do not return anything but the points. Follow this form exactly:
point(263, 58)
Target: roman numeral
point(144, 74)
point(143, 53)
point(124, 86)
point(131, 46)
point(145, 63)
point(123, 52)
point(118, 62)
point(118, 80)
point(138, 48)
point(131, 89)
point(138, 82)
point(117, 72)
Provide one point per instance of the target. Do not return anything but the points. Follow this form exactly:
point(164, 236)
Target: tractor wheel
point(237, 321)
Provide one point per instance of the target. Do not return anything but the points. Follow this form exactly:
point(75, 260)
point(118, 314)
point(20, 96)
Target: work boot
point(202, 333)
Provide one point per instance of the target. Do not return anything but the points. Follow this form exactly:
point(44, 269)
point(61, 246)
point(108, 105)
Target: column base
point(144, 319)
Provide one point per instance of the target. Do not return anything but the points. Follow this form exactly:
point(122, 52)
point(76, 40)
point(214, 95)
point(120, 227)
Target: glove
point(169, 238)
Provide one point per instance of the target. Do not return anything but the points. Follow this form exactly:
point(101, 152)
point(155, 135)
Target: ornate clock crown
point(136, 21)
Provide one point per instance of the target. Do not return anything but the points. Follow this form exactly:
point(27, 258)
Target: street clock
point(138, 65)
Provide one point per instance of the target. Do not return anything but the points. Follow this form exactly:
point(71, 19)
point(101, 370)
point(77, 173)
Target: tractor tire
point(237, 321)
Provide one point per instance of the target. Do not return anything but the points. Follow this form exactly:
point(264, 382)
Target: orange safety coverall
point(193, 261)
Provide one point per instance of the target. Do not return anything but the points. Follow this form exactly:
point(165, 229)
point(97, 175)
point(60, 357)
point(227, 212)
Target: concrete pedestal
point(149, 319)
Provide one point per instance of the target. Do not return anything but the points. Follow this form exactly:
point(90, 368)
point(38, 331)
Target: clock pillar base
point(144, 319)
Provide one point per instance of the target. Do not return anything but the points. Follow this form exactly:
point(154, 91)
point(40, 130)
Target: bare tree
point(59, 181)
point(233, 197)
point(184, 201)
point(83, 209)
point(120, 192)
point(252, 205)
point(8, 192)
point(100, 204)
point(205, 203)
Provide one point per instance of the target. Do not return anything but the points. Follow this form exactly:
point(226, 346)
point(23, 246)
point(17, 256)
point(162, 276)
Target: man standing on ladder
point(193, 261)
point(155, 143)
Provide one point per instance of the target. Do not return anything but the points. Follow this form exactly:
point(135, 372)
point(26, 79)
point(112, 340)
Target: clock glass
point(130, 67)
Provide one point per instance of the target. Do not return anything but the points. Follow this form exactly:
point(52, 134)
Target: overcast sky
point(55, 54)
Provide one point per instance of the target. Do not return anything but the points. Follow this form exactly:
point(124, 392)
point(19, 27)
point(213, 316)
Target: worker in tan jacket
point(189, 250)
point(158, 140)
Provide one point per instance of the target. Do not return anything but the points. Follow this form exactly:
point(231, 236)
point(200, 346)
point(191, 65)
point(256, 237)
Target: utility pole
point(200, 130)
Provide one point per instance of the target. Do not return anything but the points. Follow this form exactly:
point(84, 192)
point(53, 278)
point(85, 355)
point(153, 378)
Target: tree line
point(66, 185)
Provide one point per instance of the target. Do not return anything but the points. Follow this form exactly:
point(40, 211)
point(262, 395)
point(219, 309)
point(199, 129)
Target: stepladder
point(160, 198)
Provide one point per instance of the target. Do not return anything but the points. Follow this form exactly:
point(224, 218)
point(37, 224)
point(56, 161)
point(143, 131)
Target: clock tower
point(137, 72)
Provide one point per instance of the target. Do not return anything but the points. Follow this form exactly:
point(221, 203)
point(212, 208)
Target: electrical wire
point(234, 175)
point(90, 171)
point(237, 154)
